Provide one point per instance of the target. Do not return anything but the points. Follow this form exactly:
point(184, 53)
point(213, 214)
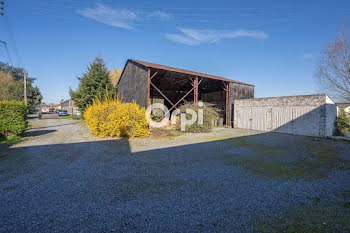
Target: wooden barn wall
point(133, 84)
point(239, 91)
point(218, 98)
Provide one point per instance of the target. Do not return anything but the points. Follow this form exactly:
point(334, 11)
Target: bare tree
point(334, 68)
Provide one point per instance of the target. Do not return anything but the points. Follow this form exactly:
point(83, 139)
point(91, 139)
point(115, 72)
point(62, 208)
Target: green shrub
point(12, 139)
point(210, 113)
point(343, 122)
point(13, 116)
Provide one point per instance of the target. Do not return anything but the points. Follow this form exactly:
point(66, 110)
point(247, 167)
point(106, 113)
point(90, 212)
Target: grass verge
point(70, 117)
point(314, 215)
point(315, 161)
point(12, 139)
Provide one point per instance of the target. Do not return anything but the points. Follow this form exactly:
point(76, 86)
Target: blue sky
point(274, 45)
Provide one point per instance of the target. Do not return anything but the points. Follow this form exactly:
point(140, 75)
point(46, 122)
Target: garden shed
point(146, 83)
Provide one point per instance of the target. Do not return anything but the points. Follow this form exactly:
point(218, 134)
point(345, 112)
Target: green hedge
point(343, 122)
point(13, 116)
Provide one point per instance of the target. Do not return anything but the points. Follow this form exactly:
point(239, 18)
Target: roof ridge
point(195, 73)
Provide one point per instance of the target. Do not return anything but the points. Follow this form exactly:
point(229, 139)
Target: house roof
point(343, 105)
point(169, 68)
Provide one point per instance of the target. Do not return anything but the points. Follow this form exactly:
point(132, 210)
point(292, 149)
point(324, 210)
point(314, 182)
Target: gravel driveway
point(62, 179)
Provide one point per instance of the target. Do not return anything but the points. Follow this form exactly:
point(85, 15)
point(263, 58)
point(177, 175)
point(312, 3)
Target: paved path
point(63, 179)
point(50, 116)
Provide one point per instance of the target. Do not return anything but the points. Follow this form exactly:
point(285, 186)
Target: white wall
point(347, 109)
point(311, 115)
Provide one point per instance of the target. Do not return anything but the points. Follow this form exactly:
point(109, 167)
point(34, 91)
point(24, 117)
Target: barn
point(146, 83)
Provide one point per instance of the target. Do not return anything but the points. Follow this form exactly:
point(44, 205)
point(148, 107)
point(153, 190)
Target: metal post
point(228, 120)
point(195, 100)
point(148, 86)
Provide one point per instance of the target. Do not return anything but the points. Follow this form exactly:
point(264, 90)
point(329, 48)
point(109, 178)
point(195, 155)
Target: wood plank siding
point(239, 91)
point(133, 84)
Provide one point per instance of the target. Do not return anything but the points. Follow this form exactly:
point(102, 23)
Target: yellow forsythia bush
point(114, 118)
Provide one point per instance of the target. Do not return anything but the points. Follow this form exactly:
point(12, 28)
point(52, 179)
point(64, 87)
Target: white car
point(63, 113)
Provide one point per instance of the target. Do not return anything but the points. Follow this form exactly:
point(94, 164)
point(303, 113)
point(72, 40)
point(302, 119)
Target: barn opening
point(148, 83)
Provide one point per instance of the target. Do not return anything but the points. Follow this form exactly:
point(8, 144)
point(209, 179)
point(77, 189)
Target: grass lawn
point(312, 215)
point(69, 117)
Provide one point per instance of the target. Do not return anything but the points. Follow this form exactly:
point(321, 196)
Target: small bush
point(5, 81)
point(343, 122)
point(210, 113)
point(13, 116)
point(12, 139)
point(114, 118)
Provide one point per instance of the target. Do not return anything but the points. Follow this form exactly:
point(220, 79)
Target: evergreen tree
point(94, 82)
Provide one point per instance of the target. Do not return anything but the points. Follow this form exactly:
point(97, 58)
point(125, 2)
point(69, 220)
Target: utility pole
point(25, 86)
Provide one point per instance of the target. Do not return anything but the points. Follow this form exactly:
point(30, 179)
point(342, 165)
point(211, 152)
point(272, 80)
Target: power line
point(11, 36)
point(289, 14)
point(7, 50)
point(2, 52)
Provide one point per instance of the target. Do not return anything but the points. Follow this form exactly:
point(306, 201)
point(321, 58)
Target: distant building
point(70, 107)
point(43, 107)
point(344, 106)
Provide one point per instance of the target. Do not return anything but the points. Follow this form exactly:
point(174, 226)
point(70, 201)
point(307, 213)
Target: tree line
point(12, 86)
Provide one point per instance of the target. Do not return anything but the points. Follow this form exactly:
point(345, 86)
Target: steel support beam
point(195, 96)
point(154, 75)
point(195, 83)
point(228, 108)
point(162, 94)
point(148, 87)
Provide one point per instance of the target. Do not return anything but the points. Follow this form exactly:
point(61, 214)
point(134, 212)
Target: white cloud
point(110, 16)
point(307, 55)
point(120, 17)
point(159, 15)
point(194, 37)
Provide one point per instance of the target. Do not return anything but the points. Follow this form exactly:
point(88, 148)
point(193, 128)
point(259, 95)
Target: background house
point(69, 105)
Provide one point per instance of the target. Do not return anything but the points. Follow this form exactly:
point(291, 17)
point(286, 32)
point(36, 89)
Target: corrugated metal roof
point(162, 67)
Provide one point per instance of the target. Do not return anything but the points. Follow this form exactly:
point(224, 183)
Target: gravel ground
point(62, 179)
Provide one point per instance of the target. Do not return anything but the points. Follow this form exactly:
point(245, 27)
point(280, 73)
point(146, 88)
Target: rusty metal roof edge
point(169, 68)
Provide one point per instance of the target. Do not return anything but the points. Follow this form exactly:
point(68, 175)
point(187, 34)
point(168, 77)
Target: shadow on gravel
point(109, 174)
point(52, 126)
point(270, 155)
point(37, 132)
